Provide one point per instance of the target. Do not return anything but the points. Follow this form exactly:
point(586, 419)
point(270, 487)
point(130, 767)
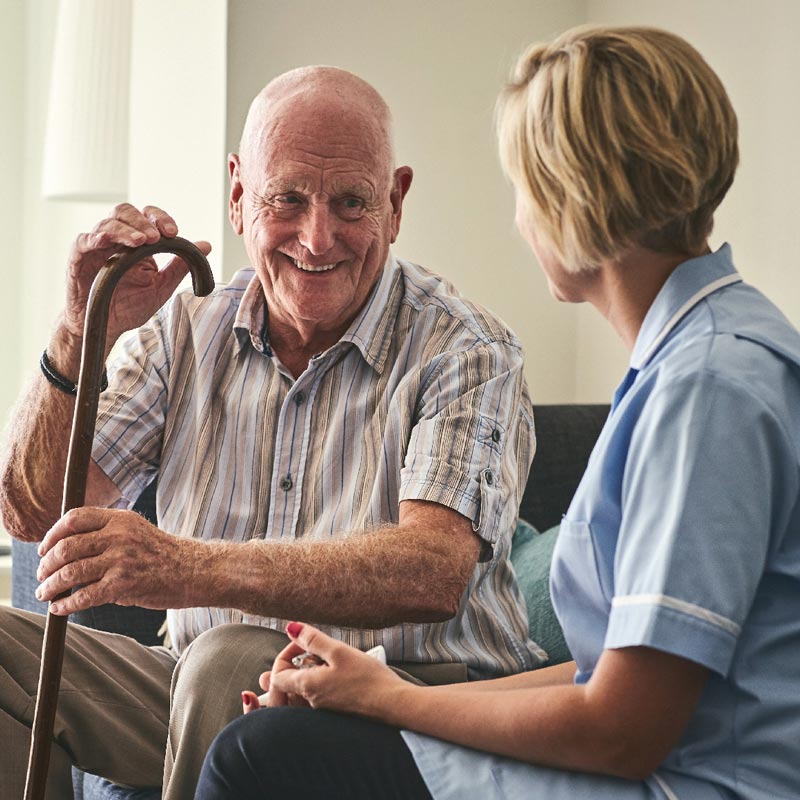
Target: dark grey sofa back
point(565, 436)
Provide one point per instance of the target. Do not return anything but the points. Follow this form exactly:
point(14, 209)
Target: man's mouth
point(311, 268)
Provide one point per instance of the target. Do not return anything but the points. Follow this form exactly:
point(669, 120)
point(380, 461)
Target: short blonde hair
point(615, 137)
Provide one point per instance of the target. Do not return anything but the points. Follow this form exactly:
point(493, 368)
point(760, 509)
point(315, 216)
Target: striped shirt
point(422, 398)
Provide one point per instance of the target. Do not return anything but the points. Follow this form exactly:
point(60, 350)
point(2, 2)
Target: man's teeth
point(309, 268)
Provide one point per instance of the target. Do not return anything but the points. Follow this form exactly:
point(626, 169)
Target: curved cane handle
point(80, 450)
point(94, 343)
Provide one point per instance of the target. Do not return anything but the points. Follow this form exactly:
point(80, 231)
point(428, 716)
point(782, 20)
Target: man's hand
point(115, 557)
point(143, 289)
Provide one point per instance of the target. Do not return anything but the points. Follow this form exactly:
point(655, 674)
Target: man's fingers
point(85, 597)
point(69, 550)
point(77, 573)
point(108, 235)
point(141, 220)
point(126, 226)
point(176, 270)
point(162, 221)
point(169, 278)
point(78, 520)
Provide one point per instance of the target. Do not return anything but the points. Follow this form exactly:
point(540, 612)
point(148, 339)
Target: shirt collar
point(688, 284)
point(249, 324)
point(371, 330)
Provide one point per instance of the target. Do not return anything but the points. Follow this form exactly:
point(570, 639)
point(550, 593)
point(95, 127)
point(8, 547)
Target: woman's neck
point(627, 286)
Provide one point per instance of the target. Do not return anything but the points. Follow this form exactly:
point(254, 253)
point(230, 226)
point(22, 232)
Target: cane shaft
point(77, 470)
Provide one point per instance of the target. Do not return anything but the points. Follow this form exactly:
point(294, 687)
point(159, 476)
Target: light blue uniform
point(684, 536)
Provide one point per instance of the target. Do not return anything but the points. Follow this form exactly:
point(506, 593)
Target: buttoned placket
point(291, 451)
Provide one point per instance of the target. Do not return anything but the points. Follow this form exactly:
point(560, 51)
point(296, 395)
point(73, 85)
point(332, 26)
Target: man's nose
point(317, 229)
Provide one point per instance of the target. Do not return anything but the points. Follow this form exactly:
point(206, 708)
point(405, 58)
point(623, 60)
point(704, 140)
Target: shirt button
point(286, 483)
point(300, 398)
point(496, 435)
point(488, 477)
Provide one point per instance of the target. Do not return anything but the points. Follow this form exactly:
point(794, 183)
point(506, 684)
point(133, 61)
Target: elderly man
point(338, 437)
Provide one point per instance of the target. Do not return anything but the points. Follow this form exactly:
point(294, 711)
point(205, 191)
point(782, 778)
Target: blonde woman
point(676, 576)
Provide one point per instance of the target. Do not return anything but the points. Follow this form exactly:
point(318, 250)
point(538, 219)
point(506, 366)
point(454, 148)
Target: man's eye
point(287, 200)
point(351, 207)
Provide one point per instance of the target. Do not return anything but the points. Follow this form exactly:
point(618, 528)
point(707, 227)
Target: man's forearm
point(35, 453)
point(34, 461)
point(372, 580)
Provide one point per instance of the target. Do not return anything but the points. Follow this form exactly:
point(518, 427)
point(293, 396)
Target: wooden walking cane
point(80, 449)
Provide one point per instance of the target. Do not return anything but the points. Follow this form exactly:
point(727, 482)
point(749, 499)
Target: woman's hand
point(348, 680)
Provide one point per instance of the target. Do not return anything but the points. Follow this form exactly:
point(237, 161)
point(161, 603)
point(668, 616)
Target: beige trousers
point(114, 716)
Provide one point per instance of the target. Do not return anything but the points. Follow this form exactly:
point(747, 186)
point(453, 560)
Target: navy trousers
point(301, 754)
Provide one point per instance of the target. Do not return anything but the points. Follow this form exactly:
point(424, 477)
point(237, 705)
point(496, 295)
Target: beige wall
point(12, 140)
point(178, 86)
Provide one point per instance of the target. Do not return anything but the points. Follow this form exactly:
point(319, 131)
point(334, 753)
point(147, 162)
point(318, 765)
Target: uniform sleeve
point(706, 480)
point(131, 413)
point(472, 444)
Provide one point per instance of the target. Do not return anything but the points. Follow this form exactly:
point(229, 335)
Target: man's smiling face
point(319, 208)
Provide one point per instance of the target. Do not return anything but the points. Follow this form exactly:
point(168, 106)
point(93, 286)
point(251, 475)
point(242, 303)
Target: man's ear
point(235, 197)
point(400, 186)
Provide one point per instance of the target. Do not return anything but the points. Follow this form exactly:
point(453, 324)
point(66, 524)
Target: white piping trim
point(678, 605)
point(676, 317)
point(665, 787)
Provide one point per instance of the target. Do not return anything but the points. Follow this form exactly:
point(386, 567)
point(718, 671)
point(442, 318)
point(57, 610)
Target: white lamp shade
point(86, 141)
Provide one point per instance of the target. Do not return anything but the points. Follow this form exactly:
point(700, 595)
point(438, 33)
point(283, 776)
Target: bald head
point(327, 94)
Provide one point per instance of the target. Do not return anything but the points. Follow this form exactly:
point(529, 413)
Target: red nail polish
point(293, 629)
point(246, 699)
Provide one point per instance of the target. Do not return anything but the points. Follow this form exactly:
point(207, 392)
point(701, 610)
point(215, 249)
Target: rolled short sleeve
point(131, 413)
point(704, 480)
point(470, 446)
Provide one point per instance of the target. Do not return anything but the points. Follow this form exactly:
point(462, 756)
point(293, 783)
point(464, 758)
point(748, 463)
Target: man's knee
point(203, 663)
point(223, 661)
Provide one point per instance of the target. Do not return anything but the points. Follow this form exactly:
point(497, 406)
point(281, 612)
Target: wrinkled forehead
point(326, 130)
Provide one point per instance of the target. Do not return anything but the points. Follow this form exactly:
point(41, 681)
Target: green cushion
point(531, 554)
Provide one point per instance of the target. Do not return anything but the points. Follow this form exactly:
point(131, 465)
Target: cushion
point(531, 553)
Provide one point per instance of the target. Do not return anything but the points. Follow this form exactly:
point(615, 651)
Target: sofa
point(565, 436)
